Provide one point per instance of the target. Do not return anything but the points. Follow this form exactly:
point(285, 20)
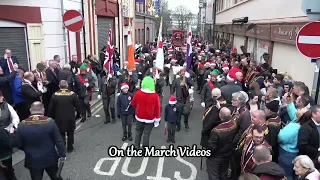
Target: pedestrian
point(125, 111)
point(6, 142)
point(147, 104)
point(171, 117)
point(38, 136)
point(62, 105)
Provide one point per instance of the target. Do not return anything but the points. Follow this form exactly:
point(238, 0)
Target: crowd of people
point(264, 120)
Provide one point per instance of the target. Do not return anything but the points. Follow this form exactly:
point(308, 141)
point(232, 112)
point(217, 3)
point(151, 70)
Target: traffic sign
point(73, 20)
point(308, 40)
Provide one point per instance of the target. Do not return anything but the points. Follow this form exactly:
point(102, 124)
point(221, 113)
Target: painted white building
point(39, 24)
point(272, 29)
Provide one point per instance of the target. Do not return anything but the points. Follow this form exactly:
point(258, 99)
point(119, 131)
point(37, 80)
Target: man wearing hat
point(212, 66)
point(83, 83)
point(206, 96)
point(156, 74)
point(171, 71)
point(201, 71)
point(129, 77)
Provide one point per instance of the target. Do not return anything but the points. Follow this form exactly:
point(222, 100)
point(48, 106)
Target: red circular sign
point(308, 40)
point(73, 20)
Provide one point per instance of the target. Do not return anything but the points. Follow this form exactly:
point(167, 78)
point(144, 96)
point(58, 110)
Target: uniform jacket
point(107, 87)
point(38, 136)
point(52, 77)
point(82, 90)
point(124, 104)
point(171, 113)
point(62, 105)
point(243, 119)
point(37, 76)
point(221, 137)
point(180, 90)
point(206, 93)
point(30, 93)
point(228, 90)
point(66, 75)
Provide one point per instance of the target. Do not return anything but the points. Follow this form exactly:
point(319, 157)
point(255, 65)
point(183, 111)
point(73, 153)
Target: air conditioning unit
point(311, 8)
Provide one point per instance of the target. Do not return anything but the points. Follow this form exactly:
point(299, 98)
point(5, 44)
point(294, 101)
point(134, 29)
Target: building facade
point(269, 36)
point(33, 29)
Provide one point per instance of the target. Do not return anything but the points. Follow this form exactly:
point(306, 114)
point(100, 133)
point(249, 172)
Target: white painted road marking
point(160, 169)
point(309, 40)
point(73, 20)
point(193, 175)
point(140, 172)
point(113, 168)
point(95, 111)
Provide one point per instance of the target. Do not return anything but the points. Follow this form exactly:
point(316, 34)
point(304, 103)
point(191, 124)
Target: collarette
point(315, 122)
point(27, 81)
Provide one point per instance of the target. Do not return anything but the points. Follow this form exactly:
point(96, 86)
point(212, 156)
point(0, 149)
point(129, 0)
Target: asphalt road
point(90, 159)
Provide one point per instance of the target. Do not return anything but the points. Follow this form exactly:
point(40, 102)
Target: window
point(138, 40)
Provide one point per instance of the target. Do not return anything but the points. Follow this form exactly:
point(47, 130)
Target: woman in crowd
point(304, 168)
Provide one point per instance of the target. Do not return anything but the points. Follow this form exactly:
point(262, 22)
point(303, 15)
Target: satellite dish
point(312, 9)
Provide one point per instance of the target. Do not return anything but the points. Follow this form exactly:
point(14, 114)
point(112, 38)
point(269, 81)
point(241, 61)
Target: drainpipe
point(84, 30)
point(121, 33)
point(64, 34)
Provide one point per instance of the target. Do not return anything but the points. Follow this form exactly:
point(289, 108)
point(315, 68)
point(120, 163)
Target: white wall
point(262, 9)
point(238, 41)
point(286, 58)
point(52, 25)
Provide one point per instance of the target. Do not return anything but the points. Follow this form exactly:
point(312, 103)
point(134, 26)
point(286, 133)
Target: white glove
point(187, 75)
point(157, 76)
point(219, 79)
point(139, 72)
point(109, 76)
point(15, 66)
point(192, 87)
point(118, 73)
point(118, 94)
point(203, 104)
point(130, 73)
point(177, 76)
point(99, 96)
point(86, 84)
point(190, 91)
point(208, 79)
point(156, 123)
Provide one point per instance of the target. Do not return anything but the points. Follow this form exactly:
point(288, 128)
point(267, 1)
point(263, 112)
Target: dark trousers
point(126, 124)
point(37, 174)
point(85, 106)
point(109, 103)
point(171, 128)
point(200, 82)
point(70, 139)
point(217, 168)
point(22, 110)
point(235, 165)
point(145, 129)
point(46, 100)
point(181, 106)
point(8, 170)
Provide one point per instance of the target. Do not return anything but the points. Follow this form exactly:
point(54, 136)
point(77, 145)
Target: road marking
point(80, 124)
point(193, 175)
point(140, 172)
point(113, 168)
point(309, 40)
point(73, 20)
point(93, 109)
point(160, 169)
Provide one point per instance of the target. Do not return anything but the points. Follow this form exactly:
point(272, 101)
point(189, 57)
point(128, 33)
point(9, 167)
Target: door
point(104, 25)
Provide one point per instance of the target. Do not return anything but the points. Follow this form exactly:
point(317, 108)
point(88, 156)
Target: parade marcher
point(9, 121)
point(247, 164)
point(220, 144)
point(206, 96)
point(52, 78)
point(66, 74)
point(180, 87)
point(107, 92)
point(147, 105)
point(125, 111)
point(172, 72)
point(62, 105)
point(211, 116)
point(230, 88)
point(265, 168)
point(129, 77)
point(171, 116)
point(83, 82)
point(38, 136)
point(201, 70)
point(41, 82)
point(157, 76)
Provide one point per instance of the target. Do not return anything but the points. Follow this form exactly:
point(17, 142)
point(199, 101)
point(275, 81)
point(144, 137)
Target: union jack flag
point(108, 61)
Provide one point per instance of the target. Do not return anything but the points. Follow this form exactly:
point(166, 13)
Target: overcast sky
point(192, 5)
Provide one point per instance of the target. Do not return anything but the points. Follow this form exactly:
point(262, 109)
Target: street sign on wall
point(308, 40)
point(73, 20)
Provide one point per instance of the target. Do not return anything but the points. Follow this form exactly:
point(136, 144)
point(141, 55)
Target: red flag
point(108, 62)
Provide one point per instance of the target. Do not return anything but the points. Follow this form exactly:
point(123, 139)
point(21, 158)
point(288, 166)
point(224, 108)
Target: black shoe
point(124, 138)
point(178, 128)
point(83, 120)
point(130, 138)
point(113, 121)
point(71, 149)
point(107, 121)
point(173, 141)
point(89, 114)
point(186, 126)
point(168, 140)
point(78, 116)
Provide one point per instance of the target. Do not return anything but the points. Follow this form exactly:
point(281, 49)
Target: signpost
point(73, 20)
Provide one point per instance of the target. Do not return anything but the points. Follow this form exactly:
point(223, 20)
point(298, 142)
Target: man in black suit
point(29, 92)
point(7, 62)
point(52, 77)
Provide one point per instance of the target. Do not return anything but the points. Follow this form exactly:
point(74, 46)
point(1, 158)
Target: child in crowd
point(172, 118)
point(125, 111)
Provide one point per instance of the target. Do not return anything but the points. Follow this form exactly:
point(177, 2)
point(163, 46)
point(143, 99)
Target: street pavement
point(90, 159)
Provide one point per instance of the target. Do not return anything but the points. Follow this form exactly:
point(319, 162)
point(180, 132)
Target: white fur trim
point(224, 68)
point(172, 102)
point(148, 120)
point(147, 91)
point(229, 78)
point(124, 86)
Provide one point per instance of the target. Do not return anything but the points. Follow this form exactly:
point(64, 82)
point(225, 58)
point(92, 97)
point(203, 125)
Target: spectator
point(304, 168)
point(7, 62)
point(249, 176)
point(18, 99)
point(278, 83)
point(5, 82)
point(299, 88)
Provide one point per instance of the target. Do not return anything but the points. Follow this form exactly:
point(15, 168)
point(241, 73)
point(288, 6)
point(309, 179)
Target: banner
point(209, 12)
point(178, 38)
point(203, 16)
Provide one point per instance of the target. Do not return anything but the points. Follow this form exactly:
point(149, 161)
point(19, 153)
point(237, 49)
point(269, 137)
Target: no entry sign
point(308, 40)
point(73, 20)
